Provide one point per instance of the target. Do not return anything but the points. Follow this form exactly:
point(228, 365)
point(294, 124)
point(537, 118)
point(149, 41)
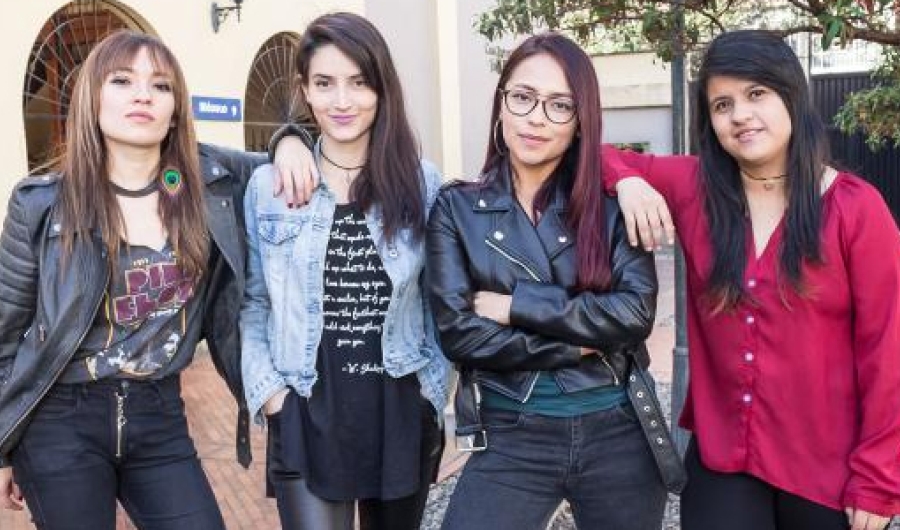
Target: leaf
point(832, 28)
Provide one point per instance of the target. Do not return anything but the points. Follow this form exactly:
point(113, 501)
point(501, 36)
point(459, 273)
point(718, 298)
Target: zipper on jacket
point(605, 361)
point(518, 262)
point(120, 417)
point(536, 278)
point(59, 371)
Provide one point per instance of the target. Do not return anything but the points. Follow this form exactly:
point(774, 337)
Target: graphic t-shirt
point(140, 330)
point(358, 435)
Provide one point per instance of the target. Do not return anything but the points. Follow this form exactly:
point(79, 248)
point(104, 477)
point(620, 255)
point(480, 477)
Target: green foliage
point(669, 27)
point(876, 111)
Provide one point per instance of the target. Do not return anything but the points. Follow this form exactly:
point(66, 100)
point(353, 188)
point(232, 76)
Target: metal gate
point(881, 168)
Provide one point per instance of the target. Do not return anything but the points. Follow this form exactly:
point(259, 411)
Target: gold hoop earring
point(496, 140)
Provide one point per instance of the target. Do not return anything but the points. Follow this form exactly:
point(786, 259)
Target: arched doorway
point(273, 94)
point(61, 46)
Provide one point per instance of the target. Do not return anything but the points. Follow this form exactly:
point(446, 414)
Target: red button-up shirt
point(804, 395)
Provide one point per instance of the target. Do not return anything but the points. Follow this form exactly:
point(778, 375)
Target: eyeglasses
point(520, 102)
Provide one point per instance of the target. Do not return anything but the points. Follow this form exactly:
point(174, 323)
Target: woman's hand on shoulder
point(863, 520)
point(296, 174)
point(10, 495)
point(646, 214)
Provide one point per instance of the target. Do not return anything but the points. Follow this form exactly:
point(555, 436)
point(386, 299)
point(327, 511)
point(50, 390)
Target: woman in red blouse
point(793, 278)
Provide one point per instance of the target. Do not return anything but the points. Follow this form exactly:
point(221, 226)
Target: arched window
point(61, 46)
point(273, 94)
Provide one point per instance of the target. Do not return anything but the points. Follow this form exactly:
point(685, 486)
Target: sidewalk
point(211, 414)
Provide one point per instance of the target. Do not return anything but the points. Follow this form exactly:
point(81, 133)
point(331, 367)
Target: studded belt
point(471, 436)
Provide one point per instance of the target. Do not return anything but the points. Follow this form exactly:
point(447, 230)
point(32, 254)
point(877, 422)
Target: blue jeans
point(75, 460)
point(599, 462)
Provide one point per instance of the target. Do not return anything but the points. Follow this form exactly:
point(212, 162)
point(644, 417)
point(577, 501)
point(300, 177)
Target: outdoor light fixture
point(219, 14)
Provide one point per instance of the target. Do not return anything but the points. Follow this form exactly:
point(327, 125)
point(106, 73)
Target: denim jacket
point(282, 316)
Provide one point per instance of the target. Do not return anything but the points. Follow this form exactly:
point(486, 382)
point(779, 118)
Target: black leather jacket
point(46, 310)
point(479, 239)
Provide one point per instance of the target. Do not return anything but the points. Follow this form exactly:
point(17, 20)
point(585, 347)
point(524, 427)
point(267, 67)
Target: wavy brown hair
point(87, 201)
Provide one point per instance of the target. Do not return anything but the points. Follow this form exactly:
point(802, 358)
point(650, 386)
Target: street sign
point(216, 109)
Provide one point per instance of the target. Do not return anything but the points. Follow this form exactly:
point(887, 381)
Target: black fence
point(850, 152)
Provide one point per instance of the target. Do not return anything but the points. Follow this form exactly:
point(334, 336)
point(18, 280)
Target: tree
point(633, 24)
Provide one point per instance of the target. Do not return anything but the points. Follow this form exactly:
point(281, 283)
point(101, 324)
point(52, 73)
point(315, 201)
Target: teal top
point(548, 399)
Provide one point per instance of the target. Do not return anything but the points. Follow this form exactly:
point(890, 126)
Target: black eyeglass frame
point(537, 99)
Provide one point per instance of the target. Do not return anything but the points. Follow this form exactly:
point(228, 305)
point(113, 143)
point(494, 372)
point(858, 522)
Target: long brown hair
point(87, 201)
point(391, 177)
point(578, 173)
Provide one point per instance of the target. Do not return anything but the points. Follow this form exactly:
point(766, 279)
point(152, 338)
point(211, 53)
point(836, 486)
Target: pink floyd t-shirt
point(143, 328)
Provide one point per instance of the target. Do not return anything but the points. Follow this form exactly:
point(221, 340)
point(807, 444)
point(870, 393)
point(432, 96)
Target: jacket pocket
point(278, 235)
point(277, 242)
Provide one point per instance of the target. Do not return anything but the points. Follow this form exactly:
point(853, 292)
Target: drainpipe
point(680, 353)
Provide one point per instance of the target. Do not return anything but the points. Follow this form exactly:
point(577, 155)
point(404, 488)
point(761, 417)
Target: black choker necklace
point(335, 164)
point(767, 182)
point(150, 188)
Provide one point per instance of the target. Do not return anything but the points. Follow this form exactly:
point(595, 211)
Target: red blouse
point(804, 395)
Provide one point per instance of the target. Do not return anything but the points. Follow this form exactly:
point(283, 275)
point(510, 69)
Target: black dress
point(358, 436)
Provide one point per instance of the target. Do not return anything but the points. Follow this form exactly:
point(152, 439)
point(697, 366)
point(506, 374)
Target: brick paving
point(240, 492)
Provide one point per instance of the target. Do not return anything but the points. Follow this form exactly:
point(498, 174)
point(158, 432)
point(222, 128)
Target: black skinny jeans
point(93, 443)
point(737, 501)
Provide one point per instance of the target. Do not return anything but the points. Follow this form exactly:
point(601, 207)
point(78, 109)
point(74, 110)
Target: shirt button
point(481, 203)
point(747, 398)
point(750, 319)
point(216, 171)
point(563, 239)
point(498, 235)
point(751, 283)
point(748, 356)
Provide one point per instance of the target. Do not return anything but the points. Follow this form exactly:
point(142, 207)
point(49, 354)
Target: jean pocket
point(60, 402)
point(499, 420)
point(625, 412)
point(277, 237)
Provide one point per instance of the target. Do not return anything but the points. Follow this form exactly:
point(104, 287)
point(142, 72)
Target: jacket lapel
point(512, 234)
point(220, 214)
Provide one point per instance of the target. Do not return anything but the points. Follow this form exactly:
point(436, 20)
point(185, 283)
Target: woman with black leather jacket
point(111, 270)
point(544, 306)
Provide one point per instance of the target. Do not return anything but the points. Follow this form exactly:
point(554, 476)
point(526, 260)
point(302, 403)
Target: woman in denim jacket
point(339, 353)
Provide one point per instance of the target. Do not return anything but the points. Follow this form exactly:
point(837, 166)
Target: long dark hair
point(391, 177)
point(578, 173)
point(766, 59)
point(87, 200)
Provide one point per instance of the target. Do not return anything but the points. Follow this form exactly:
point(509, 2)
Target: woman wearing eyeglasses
point(544, 306)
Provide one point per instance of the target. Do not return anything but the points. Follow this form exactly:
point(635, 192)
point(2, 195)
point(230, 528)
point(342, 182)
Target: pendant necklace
point(347, 169)
point(768, 183)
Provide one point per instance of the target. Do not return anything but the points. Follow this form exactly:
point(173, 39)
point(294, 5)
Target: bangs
point(120, 55)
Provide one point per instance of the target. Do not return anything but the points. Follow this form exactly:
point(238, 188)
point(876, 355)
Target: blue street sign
point(216, 109)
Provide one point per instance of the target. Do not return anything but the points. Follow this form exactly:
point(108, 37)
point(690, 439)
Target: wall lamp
point(219, 14)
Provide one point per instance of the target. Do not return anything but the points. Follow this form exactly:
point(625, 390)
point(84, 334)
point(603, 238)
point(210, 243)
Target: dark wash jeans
point(599, 462)
point(74, 461)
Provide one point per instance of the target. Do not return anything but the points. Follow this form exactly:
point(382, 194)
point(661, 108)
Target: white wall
point(410, 29)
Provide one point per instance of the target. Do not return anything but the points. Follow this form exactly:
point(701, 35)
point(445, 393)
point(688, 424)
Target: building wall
point(445, 71)
point(408, 27)
point(215, 64)
point(635, 89)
